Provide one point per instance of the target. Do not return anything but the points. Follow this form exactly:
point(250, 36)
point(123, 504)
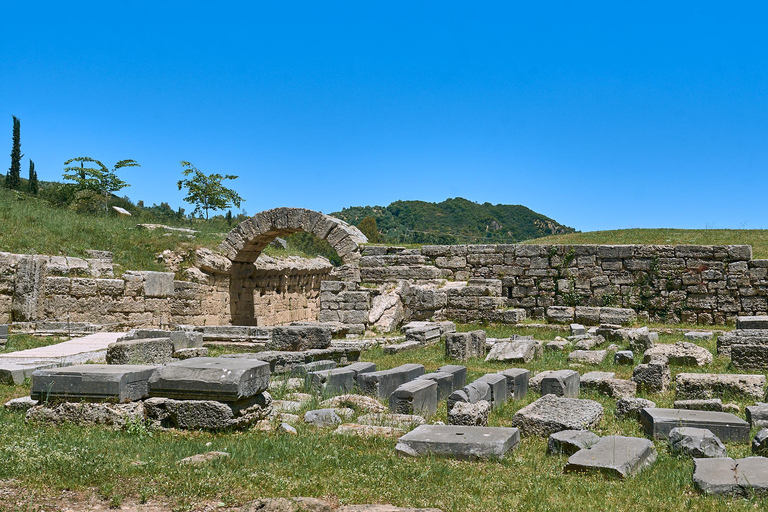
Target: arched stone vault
point(246, 241)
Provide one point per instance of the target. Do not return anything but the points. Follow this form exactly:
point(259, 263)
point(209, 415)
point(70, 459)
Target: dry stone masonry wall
point(692, 284)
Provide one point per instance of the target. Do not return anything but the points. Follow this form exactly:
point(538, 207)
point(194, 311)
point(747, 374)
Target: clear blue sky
point(599, 115)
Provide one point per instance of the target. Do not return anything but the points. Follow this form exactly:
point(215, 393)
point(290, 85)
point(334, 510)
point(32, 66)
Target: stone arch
point(246, 241)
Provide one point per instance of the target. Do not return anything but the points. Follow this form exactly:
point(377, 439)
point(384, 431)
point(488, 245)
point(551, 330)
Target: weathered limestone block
point(560, 314)
point(471, 393)
point(654, 377)
point(418, 396)
point(332, 381)
point(444, 383)
point(460, 442)
point(569, 442)
point(465, 345)
point(384, 382)
point(210, 378)
point(561, 383)
point(465, 413)
point(498, 385)
point(459, 374)
point(208, 414)
point(86, 413)
point(615, 456)
point(631, 407)
point(521, 351)
point(749, 356)
point(550, 414)
point(517, 382)
point(757, 415)
point(726, 340)
point(682, 353)
point(695, 442)
point(300, 337)
point(710, 385)
point(587, 356)
point(153, 351)
point(120, 383)
point(659, 422)
point(726, 476)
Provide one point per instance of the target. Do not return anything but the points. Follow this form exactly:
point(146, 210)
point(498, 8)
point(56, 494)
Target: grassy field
point(346, 469)
point(757, 238)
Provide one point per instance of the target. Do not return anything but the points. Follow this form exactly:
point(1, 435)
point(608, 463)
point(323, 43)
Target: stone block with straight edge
point(336, 381)
point(695, 442)
point(383, 383)
point(726, 476)
point(92, 382)
point(211, 378)
point(444, 383)
point(498, 384)
point(752, 322)
point(415, 397)
point(459, 374)
point(569, 442)
point(659, 422)
point(471, 393)
point(517, 382)
point(14, 374)
point(614, 456)
point(458, 441)
point(563, 383)
point(757, 415)
point(361, 367)
point(313, 366)
point(550, 414)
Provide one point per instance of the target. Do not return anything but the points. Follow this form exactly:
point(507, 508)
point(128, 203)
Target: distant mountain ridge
point(454, 221)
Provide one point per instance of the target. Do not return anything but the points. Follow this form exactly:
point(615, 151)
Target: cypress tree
point(34, 186)
point(14, 173)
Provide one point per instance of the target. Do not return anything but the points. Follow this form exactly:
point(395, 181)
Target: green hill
point(454, 221)
point(757, 238)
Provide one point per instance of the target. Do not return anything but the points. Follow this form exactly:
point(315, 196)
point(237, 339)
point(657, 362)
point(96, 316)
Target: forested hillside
point(453, 221)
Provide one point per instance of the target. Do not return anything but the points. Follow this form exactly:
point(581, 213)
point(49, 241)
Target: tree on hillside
point(98, 179)
point(206, 191)
point(34, 185)
point(370, 229)
point(13, 180)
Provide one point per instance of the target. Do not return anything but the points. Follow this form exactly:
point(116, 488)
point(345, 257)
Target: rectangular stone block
point(384, 382)
point(658, 422)
point(336, 381)
point(752, 322)
point(361, 367)
point(315, 366)
point(152, 351)
point(211, 378)
point(300, 337)
point(711, 385)
point(498, 385)
point(459, 374)
point(563, 383)
point(3, 333)
point(91, 382)
point(459, 442)
point(757, 415)
point(444, 383)
point(14, 374)
point(465, 345)
point(415, 397)
point(517, 382)
point(749, 356)
point(615, 456)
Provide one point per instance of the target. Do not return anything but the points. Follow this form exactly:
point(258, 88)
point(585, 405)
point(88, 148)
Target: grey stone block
point(465, 345)
point(708, 385)
point(153, 351)
point(759, 443)
point(471, 393)
point(383, 383)
point(710, 404)
point(460, 442)
point(300, 337)
point(624, 357)
point(459, 374)
point(498, 386)
point(335, 381)
point(682, 353)
point(652, 377)
point(322, 418)
point(550, 414)
point(464, 413)
point(615, 456)
point(752, 322)
point(569, 442)
point(561, 383)
point(415, 397)
point(695, 442)
point(361, 367)
point(521, 351)
point(757, 415)
point(578, 330)
point(659, 422)
point(726, 476)
point(517, 382)
point(14, 374)
point(587, 356)
point(314, 366)
point(444, 383)
point(3, 333)
point(122, 383)
point(753, 357)
point(631, 407)
point(210, 378)
point(208, 414)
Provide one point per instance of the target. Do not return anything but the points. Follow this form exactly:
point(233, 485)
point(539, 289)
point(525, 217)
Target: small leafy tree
point(370, 229)
point(206, 191)
point(13, 181)
point(98, 179)
point(34, 185)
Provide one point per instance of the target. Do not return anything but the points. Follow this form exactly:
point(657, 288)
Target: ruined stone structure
point(383, 286)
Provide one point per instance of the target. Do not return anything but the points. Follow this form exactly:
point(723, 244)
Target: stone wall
point(45, 288)
point(693, 284)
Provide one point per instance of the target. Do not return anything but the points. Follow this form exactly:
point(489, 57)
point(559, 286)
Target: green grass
point(18, 342)
point(757, 238)
point(348, 469)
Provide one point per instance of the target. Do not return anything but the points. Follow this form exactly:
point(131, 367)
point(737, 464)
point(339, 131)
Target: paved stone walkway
point(75, 351)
